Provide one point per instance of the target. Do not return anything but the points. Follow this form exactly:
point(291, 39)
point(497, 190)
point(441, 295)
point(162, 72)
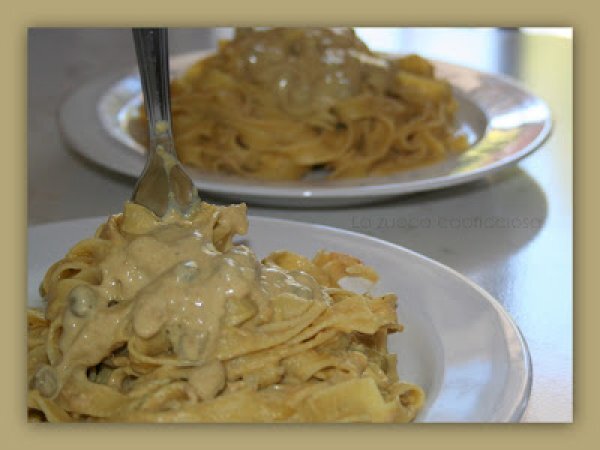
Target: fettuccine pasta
point(277, 104)
point(168, 320)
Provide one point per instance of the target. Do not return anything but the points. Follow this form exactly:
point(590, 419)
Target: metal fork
point(163, 184)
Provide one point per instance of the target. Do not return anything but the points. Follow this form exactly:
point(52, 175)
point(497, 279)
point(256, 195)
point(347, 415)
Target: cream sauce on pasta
point(167, 320)
point(309, 69)
point(174, 290)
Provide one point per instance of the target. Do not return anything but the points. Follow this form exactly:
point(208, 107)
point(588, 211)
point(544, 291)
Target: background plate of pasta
point(307, 116)
point(286, 322)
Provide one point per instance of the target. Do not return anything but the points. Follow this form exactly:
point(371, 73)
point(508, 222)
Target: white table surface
point(510, 233)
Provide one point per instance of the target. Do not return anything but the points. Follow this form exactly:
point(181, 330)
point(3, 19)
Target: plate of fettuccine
point(132, 320)
point(301, 117)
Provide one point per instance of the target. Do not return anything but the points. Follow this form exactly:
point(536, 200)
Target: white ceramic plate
point(458, 342)
point(504, 123)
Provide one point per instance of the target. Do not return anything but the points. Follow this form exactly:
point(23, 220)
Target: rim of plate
point(515, 406)
point(305, 189)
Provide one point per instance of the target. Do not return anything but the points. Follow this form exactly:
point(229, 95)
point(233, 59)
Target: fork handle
point(152, 51)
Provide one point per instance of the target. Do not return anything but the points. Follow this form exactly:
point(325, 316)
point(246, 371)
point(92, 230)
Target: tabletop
point(511, 232)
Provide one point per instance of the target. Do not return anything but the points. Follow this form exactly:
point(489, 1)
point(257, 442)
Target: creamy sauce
point(172, 290)
point(308, 69)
